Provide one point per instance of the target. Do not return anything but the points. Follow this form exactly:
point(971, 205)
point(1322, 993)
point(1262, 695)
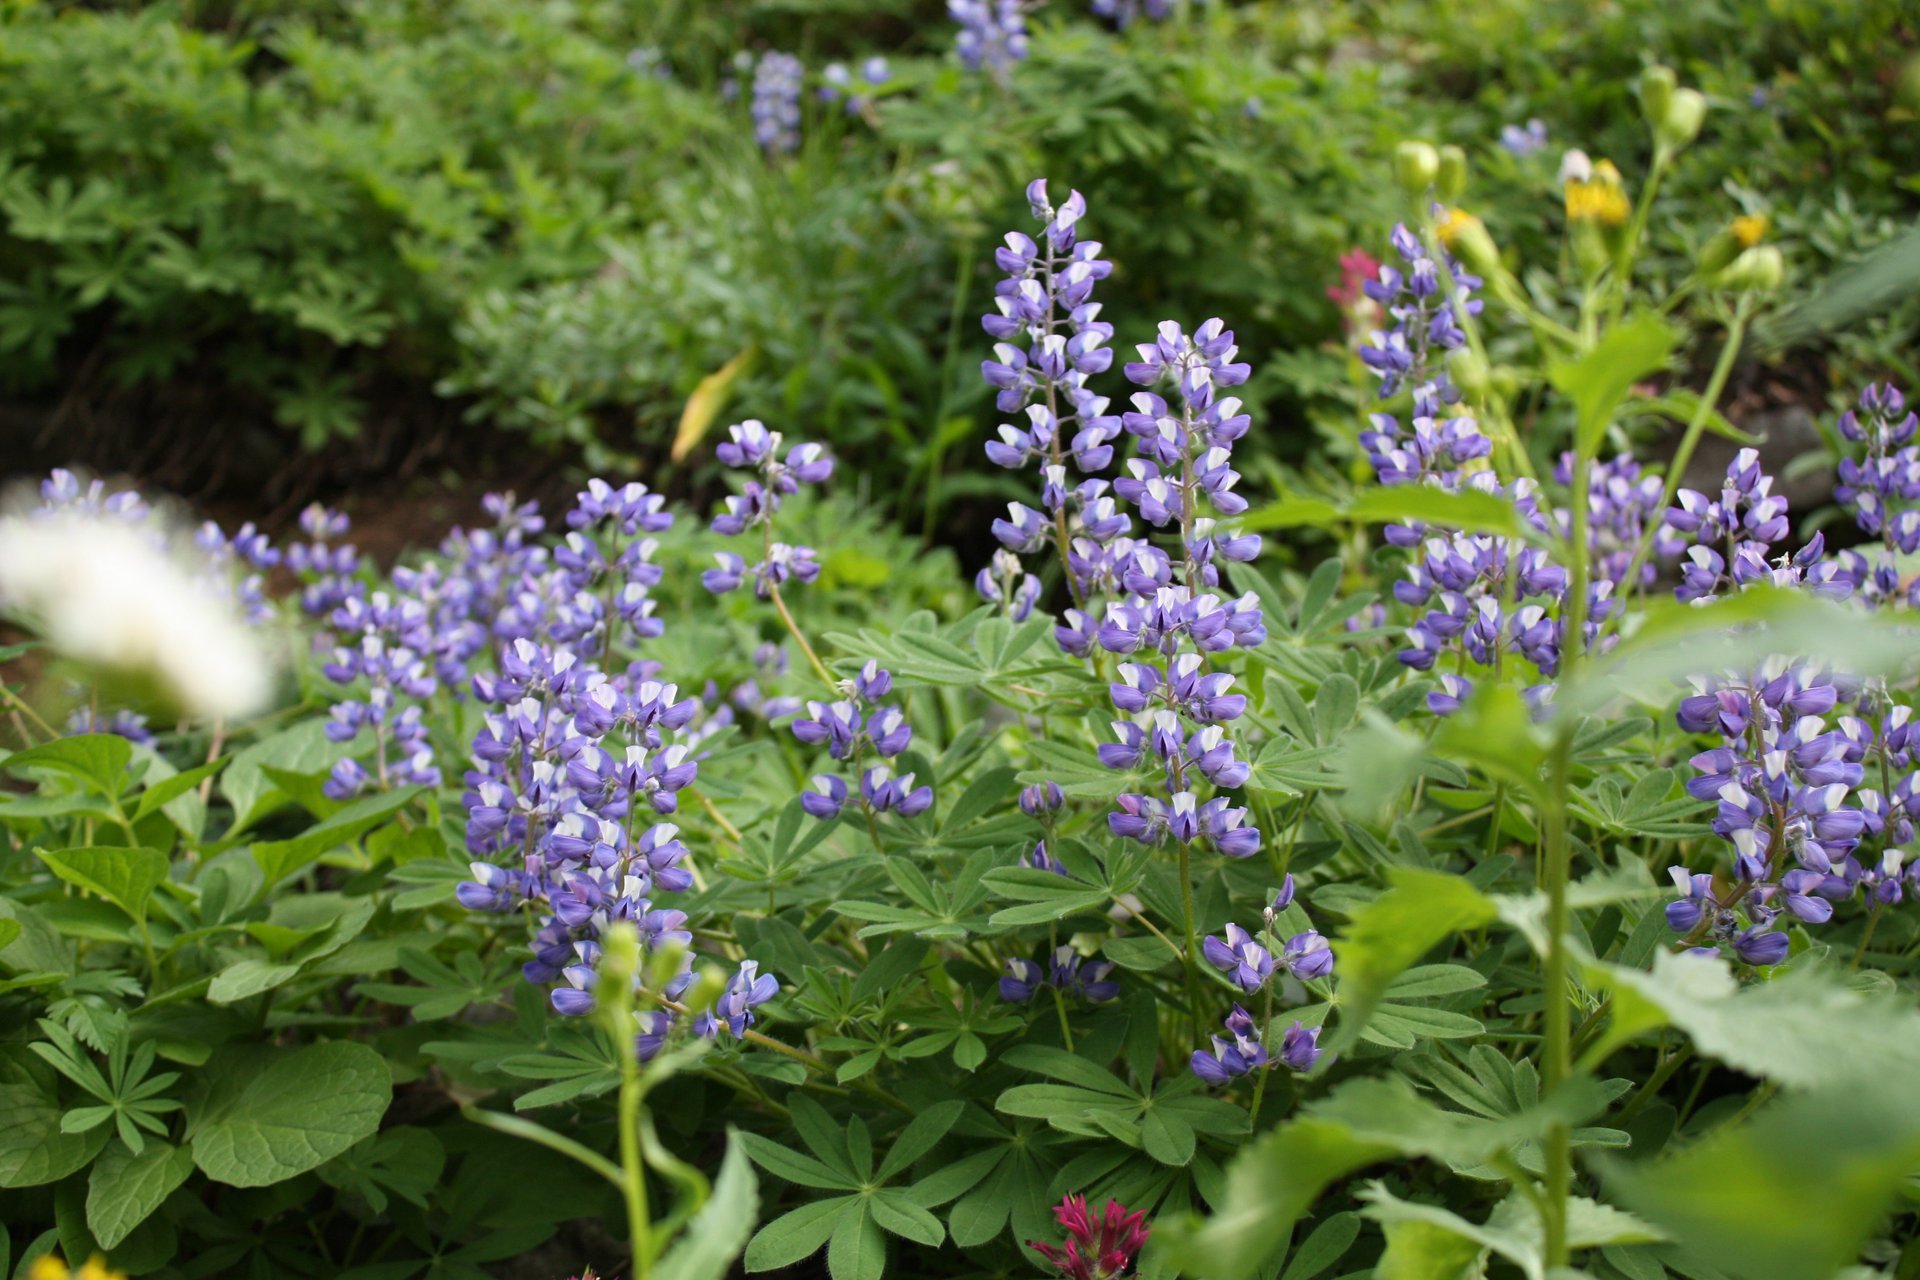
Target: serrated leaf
point(97, 759)
point(715, 1235)
point(125, 877)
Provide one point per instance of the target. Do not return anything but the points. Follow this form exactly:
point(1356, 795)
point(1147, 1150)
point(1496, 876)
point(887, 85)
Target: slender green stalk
point(1716, 383)
point(1192, 938)
point(1266, 1042)
point(633, 1176)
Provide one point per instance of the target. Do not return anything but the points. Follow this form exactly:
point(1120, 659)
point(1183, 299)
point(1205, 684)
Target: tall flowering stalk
point(1049, 341)
point(573, 763)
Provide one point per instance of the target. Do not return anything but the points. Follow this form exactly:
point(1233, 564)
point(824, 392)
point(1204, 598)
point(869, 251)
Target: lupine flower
point(1067, 972)
point(1425, 324)
point(1236, 1054)
point(1123, 13)
point(776, 102)
point(1245, 962)
point(1527, 140)
point(993, 34)
point(1098, 1246)
point(1048, 343)
point(123, 723)
point(1300, 1047)
point(752, 447)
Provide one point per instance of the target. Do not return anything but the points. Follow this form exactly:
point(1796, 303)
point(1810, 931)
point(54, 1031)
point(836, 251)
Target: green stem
point(1266, 1042)
point(1192, 940)
point(633, 1174)
point(1716, 383)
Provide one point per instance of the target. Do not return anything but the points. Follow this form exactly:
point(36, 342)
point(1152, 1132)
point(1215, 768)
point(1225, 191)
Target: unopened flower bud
point(706, 990)
point(1718, 253)
point(619, 962)
point(1469, 372)
point(1683, 119)
point(1757, 270)
point(1657, 85)
point(1451, 177)
point(1415, 166)
point(1466, 236)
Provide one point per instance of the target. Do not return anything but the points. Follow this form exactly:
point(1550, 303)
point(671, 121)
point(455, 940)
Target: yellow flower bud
point(1750, 229)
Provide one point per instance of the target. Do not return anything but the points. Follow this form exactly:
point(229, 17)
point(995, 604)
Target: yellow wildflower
point(1600, 200)
point(1451, 223)
point(1749, 229)
point(50, 1267)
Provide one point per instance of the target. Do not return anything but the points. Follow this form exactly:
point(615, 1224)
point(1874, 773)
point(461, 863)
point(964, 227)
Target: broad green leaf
point(1388, 935)
point(124, 877)
point(1469, 510)
point(97, 759)
point(303, 748)
point(299, 1110)
point(33, 1147)
point(279, 859)
point(715, 1235)
point(1599, 380)
point(1673, 641)
point(1418, 1249)
point(1513, 1231)
point(159, 794)
point(123, 1189)
point(1793, 1193)
point(1786, 1030)
point(35, 946)
point(796, 1234)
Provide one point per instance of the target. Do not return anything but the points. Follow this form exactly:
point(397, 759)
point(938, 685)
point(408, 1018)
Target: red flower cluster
point(1098, 1247)
point(1357, 267)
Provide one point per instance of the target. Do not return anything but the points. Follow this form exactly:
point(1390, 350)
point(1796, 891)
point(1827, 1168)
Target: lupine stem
point(1266, 1042)
point(1192, 955)
point(793, 629)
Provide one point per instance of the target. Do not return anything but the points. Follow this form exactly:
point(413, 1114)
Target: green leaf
point(124, 877)
point(1388, 935)
point(279, 859)
point(918, 1137)
point(1469, 509)
point(895, 1212)
point(857, 1250)
point(1795, 1192)
point(98, 759)
point(33, 1147)
point(1418, 1249)
point(1599, 380)
point(163, 792)
point(791, 1166)
point(1513, 1230)
point(123, 1189)
point(1166, 1137)
point(1326, 1246)
point(798, 1233)
point(981, 796)
point(716, 1234)
point(1786, 1030)
point(303, 748)
point(300, 1110)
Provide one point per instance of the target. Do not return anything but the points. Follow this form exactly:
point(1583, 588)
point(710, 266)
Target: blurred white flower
point(106, 592)
point(1575, 167)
